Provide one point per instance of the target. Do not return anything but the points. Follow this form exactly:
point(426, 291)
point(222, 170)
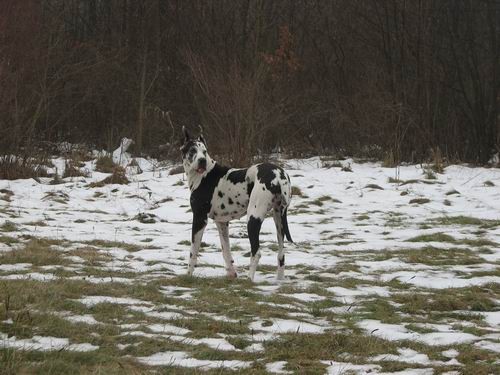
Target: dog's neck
point(195, 178)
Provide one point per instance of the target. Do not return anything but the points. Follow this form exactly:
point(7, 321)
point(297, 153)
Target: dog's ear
point(187, 137)
point(201, 139)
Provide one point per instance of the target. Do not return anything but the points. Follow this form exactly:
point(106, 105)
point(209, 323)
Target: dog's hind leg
point(280, 274)
point(223, 228)
point(254, 225)
point(199, 224)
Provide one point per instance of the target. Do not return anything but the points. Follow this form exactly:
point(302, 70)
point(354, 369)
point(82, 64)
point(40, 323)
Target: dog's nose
point(202, 163)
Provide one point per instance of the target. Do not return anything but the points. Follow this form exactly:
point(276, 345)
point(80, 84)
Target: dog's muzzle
point(202, 166)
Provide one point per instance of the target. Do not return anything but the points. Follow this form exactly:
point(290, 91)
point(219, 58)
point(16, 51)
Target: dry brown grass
point(105, 164)
point(117, 177)
point(15, 168)
point(72, 169)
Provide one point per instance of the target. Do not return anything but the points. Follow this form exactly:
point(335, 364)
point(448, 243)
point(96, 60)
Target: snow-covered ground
point(366, 240)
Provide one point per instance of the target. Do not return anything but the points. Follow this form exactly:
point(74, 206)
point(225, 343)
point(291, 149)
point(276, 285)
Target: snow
point(396, 332)
point(14, 267)
point(286, 325)
point(325, 237)
point(182, 359)
point(339, 368)
point(277, 367)
point(95, 300)
point(44, 343)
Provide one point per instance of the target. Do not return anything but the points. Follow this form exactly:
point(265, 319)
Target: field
point(392, 271)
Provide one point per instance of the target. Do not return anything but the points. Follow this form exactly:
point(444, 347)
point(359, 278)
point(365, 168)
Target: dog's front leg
point(223, 228)
point(199, 224)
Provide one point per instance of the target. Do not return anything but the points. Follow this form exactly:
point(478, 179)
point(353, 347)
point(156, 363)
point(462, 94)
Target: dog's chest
point(229, 200)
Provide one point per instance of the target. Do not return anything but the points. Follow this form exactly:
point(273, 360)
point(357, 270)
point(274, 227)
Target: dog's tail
point(284, 223)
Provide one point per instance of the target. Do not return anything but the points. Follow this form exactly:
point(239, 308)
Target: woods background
point(389, 79)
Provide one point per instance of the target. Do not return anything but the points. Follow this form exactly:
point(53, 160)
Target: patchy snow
point(396, 332)
point(306, 297)
point(344, 228)
point(407, 355)
point(182, 359)
point(286, 325)
point(95, 300)
point(339, 368)
point(42, 343)
point(488, 345)
point(15, 267)
point(277, 367)
point(168, 328)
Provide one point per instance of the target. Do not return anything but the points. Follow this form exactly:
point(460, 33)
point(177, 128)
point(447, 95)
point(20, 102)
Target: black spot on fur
point(221, 194)
point(222, 206)
point(238, 176)
point(230, 201)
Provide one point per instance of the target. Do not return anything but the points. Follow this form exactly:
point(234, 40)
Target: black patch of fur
point(282, 261)
point(221, 194)
point(238, 176)
point(266, 173)
point(202, 196)
point(253, 226)
point(230, 201)
point(250, 188)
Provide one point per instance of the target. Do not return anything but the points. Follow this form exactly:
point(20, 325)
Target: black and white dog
point(224, 194)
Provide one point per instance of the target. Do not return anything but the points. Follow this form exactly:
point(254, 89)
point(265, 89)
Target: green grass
point(466, 220)
point(9, 226)
point(37, 252)
point(435, 237)
point(8, 240)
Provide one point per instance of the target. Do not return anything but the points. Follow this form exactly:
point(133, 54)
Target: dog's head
point(194, 154)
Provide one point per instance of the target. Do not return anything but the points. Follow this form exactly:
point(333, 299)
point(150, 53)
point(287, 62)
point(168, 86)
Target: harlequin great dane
point(224, 194)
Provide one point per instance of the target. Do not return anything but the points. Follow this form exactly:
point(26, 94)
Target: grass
point(296, 191)
point(9, 226)
point(374, 186)
point(107, 244)
point(37, 252)
point(465, 220)
point(7, 240)
point(15, 168)
point(443, 237)
point(117, 177)
point(324, 198)
point(72, 169)
point(435, 237)
point(447, 300)
point(105, 164)
point(419, 200)
point(433, 256)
